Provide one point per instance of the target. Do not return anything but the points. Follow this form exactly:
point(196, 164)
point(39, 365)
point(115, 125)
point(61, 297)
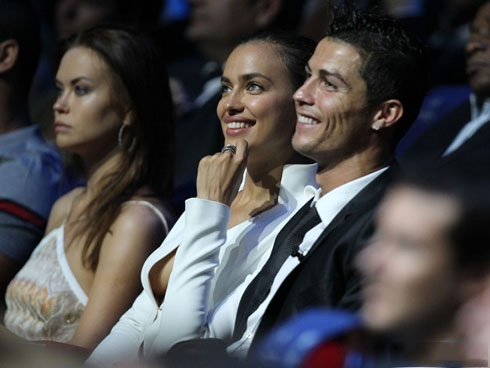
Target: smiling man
point(364, 87)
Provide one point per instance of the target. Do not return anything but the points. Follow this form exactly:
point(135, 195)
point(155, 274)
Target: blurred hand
point(219, 176)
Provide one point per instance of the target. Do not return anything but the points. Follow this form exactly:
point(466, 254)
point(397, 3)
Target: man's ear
point(266, 11)
point(387, 114)
point(9, 50)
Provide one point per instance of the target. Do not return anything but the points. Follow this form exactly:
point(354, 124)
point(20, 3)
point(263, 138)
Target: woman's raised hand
point(219, 176)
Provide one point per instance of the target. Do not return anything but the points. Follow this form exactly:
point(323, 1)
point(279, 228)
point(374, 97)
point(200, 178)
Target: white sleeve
point(125, 338)
point(124, 341)
point(183, 314)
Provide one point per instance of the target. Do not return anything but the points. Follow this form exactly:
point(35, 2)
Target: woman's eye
point(225, 89)
point(59, 91)
point(254, 87)
point(81, 90)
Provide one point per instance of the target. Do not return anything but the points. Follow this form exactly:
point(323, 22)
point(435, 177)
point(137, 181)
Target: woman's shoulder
point(144, 214)
point(140, 222)
point(61, 208)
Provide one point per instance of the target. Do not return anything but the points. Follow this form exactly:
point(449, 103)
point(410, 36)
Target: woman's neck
point(260, 192)
point(263, 186)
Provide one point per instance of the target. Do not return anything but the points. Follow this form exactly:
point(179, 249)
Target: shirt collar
point(330, 204)
point(475, 112)
point(295, 179)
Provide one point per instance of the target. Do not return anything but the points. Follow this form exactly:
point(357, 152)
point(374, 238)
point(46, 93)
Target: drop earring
point(120, 136)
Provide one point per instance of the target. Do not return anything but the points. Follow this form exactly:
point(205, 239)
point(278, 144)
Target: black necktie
point(286, 244)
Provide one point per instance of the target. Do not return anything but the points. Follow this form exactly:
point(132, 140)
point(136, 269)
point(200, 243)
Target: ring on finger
point(229, 147)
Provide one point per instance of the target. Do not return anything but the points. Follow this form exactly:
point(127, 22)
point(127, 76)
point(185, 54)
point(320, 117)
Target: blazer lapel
point(366, 198)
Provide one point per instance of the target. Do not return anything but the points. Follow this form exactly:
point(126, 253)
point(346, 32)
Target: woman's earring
point(120, 139)
point(120, 136)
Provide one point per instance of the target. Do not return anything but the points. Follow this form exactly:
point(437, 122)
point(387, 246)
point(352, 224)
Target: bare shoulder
point(60, 208)
point(145, 214)
point(137, 228)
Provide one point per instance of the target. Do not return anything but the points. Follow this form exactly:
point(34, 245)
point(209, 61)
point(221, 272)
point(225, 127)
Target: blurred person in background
point(30, 168)
point(464, 134)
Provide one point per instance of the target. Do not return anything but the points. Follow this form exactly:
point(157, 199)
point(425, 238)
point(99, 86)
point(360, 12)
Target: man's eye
point(328, 84)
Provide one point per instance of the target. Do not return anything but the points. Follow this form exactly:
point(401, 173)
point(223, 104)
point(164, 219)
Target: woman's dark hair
point(295, 51)
point(140, 83)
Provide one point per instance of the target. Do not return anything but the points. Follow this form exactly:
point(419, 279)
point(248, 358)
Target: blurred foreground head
point(430, 252)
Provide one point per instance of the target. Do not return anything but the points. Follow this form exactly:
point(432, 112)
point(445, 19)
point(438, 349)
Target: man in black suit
point(364, 87)
point(464, 134)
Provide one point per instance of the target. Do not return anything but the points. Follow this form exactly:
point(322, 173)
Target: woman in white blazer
point(245, 194)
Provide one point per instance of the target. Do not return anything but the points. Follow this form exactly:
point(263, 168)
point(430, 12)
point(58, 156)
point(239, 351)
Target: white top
point(206, 249)
point(328, 206)
point(478, 119)
point(44, 300)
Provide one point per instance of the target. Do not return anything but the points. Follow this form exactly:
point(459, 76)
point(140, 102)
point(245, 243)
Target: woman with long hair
point(225, 234)
point(114, 111)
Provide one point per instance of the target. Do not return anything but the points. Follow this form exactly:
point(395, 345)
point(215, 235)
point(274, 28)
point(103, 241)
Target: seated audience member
point(465, 132)
point(364, 88)
point(226, 234)
point(358, 99)
point(114, 111)
point(215, 28)
point(64, 18)
point(30, 169)
point(428, 256)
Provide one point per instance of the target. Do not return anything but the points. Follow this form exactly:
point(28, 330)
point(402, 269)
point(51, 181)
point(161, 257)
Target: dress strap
point(155, 209)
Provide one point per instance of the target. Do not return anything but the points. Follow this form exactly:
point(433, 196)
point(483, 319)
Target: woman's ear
point(387, 114)
point(9, 50)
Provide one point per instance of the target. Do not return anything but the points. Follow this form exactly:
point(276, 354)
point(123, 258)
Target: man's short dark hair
point(19, 21)
point(394, 64)
point(468, 184)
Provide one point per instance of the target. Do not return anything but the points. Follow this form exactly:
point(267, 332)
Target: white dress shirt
point(478, 119)
point(328, 206)
point(211, 263)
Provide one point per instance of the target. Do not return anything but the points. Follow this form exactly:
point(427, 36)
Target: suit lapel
point(481, 138)
point(449, 127)
point(366, 198)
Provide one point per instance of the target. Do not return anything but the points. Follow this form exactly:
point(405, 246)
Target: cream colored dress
point(45, 300)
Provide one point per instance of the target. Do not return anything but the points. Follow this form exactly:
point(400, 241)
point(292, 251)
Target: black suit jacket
point(433, 143)
point(327, 276)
